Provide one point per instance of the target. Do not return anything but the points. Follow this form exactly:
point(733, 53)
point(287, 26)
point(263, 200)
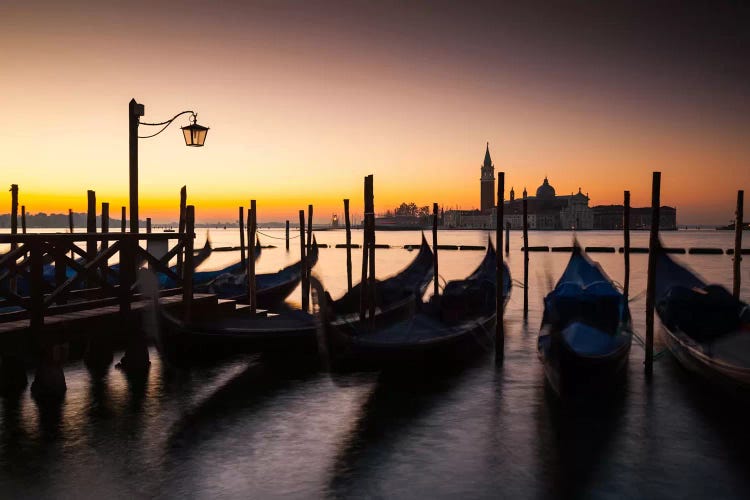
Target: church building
point(487, 202)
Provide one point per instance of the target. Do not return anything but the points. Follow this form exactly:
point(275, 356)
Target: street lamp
point(195, 136)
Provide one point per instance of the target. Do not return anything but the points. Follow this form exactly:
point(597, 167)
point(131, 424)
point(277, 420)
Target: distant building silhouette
point(546, 210)
point(487, 202)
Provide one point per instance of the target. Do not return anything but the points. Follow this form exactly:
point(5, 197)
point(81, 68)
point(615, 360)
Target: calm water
point(249, 430)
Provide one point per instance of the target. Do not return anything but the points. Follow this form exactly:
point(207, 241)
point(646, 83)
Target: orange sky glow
point(303, 105)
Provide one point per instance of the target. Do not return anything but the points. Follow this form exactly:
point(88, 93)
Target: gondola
point(445, 332)
point(586, 331)
point(289, 332)
point(394, 296)
point(271, 288)
point(706, 328)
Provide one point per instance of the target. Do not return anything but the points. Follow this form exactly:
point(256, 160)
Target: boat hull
point(570, 373)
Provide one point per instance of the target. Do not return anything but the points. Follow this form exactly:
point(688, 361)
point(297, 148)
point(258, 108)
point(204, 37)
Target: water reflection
point(574, 439)
point(391, 417)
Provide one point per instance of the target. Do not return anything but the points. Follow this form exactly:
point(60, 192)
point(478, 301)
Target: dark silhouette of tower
point(487, 182)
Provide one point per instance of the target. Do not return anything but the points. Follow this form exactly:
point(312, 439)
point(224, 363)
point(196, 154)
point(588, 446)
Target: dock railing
point(37, 294)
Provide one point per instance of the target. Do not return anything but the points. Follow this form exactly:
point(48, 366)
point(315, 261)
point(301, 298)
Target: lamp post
point(195, 136)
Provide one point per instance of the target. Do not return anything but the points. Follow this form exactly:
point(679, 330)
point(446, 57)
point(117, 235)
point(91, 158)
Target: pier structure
point(54, 290)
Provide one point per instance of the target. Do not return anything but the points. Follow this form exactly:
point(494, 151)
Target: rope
point(519, 284)
point(642, 344)
point(277, 237)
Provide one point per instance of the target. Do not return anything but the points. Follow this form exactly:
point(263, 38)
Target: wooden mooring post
point(371, 258)
point(525, 257)
point(181, 224)
point(653, 245)
point(70, 220)
point(148, 225)
point(435, 283)
point(737, 257)
point(252, 219)
point(500, 271)
point(348, 246)
point(91, 229)
point(13, 227)
point(626, 243)
point(105, 230)
point(306, 268)
point(241, 221)
point(189, 266)
point(287, 235)
point(123, 220)
point(507, 238)
point(303, 259)
point(23, 219)
point(364, 294)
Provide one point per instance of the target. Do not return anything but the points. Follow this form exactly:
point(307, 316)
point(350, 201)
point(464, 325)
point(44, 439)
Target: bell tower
point(487, 183)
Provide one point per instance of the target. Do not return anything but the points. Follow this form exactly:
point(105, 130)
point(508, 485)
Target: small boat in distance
point(586, 330)
point(707, 329)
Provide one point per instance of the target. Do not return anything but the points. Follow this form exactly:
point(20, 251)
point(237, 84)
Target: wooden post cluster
point(303, 258)
point(148, 225)
point(252, 227)
point(435, 249)
point(123, 221)
point(70, 220)
point(23, 219)
point(348, 246)
point(500, 270)
point(525, 257)
point(626, 243)
point(653, 247)
point(738, 223)
point(243, 262)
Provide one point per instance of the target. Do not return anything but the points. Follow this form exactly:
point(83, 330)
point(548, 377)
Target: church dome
point(545, 190)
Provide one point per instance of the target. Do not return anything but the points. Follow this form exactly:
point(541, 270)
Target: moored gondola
point(706, 328)
point(271, 288)
point(450, 328)
point(394, 297)
point(586, 330)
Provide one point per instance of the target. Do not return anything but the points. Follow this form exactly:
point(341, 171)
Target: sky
point(304, 99)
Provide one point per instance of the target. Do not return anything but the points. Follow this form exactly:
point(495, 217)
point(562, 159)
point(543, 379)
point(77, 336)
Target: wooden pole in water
point(243, 262)
point(181, 225)
point(309, 247)
point(348, 246)
point(187, 283)
point(507, 238)
point(651, 276)
point(365, 256)
point(287, 235)
point(148, 225)
point(371, 258)
point(123, 222)
point(435, 248)
point(105, 230)
point(525, 258)
point(13, 227)
point(91, 229)
point(500, 270)
point(626, 243)
point(252, 223)
point(303, 259)
point(738, 223)
point(23, 219)
point(70, 220)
